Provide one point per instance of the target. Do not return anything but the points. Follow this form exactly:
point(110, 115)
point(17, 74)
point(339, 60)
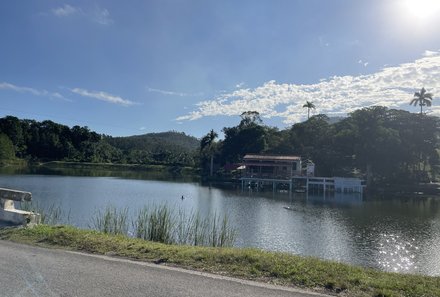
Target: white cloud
point(35, 92)
point(240, 85)
point(101, 16)
point(363, 63)
point(97, 14)
point(103, 96)
point(64, 11)
point(337, 95)
point(428, 53)
point(172, 93)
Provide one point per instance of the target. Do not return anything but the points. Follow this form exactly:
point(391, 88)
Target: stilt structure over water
point(287, 173)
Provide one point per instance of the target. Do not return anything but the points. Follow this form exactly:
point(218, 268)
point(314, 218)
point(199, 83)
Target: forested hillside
point(49, 141)
point(153, 141)
point(379, 144)
point(161, 148)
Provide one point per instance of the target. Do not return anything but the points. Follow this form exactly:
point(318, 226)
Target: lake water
point(401, 235)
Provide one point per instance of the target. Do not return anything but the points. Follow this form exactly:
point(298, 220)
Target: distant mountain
point(156, 142)
point(50, 141)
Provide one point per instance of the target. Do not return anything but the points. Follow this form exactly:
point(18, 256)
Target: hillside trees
point(50, 141)
point(376, 143)
point(166, 148)
point(12, 127)
point(6, 148)
point(248, 137)
point(315, 143)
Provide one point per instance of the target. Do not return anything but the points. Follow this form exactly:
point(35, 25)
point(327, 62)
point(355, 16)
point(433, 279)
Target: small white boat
point(288, 208)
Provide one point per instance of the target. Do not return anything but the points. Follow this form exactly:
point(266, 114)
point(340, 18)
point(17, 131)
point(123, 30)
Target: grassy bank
point(279, 268)
point(114, 166)
point(134, 171)
point(13, 162)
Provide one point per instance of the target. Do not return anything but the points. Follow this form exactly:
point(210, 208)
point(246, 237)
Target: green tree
point(384, 145)
point(6, 148)
point(422, 99)
point(249, 118)
point(11, 126)
point(420, 140)
point(207, 144)
point(314, 142)
point(309, 105)
point(99, 152)
point(248, 137)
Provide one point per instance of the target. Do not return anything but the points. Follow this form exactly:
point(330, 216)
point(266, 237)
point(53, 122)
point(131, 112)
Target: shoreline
point(270, 267)
point(174, 171)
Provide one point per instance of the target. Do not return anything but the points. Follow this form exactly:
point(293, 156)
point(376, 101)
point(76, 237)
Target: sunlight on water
point(397, 254)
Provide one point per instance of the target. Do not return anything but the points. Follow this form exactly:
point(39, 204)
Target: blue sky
point(126, 68)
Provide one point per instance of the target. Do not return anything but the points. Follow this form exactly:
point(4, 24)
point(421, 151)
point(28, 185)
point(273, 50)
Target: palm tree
point(309, 106)
point(208, 142)
point(422, 98)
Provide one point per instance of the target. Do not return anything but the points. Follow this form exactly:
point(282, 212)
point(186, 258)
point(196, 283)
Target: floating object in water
point(288, 208)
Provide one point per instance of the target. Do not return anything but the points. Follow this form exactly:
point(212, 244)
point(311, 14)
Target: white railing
point(8, 212)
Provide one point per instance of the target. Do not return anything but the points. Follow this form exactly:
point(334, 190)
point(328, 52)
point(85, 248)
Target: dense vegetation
point(49, 141)
point(379, 144)
point(157, 148)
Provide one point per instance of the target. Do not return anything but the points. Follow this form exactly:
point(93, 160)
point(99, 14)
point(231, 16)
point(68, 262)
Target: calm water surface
point(400, 235)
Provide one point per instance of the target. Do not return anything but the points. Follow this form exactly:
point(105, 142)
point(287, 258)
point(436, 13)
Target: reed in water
point(156, 223)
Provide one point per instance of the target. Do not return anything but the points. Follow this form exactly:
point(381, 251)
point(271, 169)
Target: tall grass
point(111, 221)
point(166, 225)
point(210, 231)
point(221, 233)
point(51, 215)
point(154, 224)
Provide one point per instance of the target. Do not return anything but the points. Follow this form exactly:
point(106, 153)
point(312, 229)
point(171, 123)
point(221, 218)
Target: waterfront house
point(272, 167)
point(274, 171)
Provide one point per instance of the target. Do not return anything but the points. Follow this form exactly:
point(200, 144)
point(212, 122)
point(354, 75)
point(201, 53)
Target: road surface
point(33, 271)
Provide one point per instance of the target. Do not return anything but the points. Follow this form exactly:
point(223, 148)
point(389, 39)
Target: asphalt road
point(33, 271)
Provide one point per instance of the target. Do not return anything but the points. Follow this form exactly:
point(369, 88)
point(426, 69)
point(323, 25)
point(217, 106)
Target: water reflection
point(397, 254)
point(103, 170)
point(392, 235)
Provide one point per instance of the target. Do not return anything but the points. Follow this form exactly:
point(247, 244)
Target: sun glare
point(422, 9)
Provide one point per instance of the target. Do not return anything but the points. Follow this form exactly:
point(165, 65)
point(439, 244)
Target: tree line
point(49, 141)
point(378, 144)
